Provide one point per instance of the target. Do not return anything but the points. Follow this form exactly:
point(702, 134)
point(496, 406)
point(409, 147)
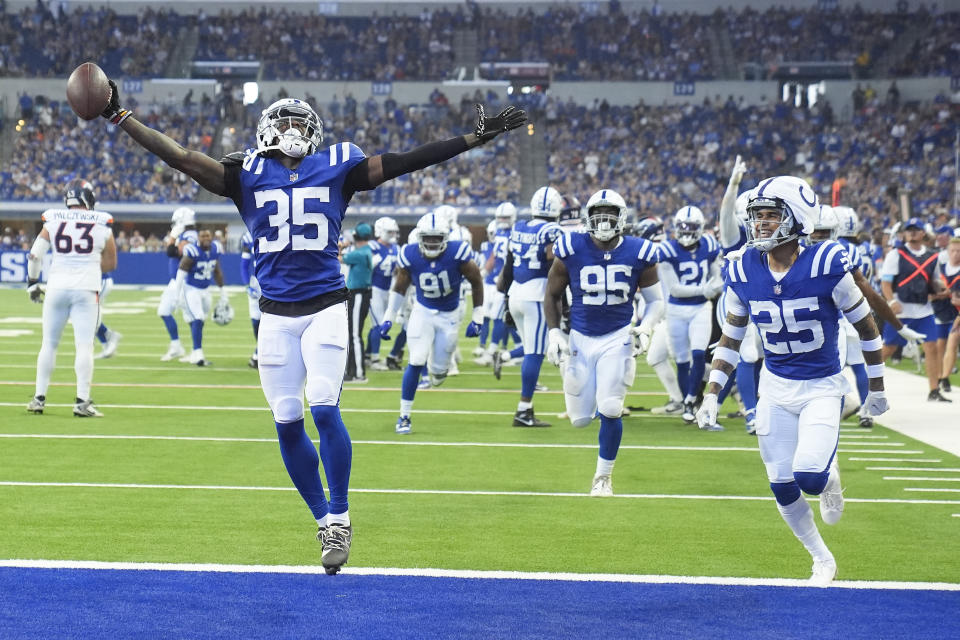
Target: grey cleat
point(37, 404)
point(335, 542)
point(85, 409)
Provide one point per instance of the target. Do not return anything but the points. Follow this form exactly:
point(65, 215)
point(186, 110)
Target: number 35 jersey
point(798, 315)
point(294, 216)
point(77, 238)
point(603, 283)
point(437, 280)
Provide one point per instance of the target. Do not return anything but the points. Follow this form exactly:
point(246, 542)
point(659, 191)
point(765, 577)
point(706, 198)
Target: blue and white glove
point(876, 403)
point(558, 348)
point(385, 329)
point(707, 414)
point(473, 329)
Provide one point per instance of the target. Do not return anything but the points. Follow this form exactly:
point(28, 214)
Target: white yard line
point(930, 490)
point(911, 469)
point(854, 437)
point(895, 459)
point(445, 492)
point(921, 479)
point(472, 574)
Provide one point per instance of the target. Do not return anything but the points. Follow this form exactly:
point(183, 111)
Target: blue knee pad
point(812, 482)
point(785, 492)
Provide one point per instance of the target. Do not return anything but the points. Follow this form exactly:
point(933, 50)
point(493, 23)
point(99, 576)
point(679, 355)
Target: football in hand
point(88, 91)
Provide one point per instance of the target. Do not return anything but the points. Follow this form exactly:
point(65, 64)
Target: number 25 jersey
point(294, 217)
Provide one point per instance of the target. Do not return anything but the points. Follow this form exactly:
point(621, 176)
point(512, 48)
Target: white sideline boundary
point(473, 575)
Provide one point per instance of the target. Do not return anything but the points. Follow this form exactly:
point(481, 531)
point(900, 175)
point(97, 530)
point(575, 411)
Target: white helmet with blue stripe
point(386, 230)
point(546, 203)
point(605, 215)
point(848, 222)
point(795, 202)
point(184, 216)
point(505, 215)
point(432, 233)
point(827, 221)
point(688, 226)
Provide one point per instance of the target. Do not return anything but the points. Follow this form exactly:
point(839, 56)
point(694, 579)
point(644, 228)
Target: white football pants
point(168, 300)
point(597, 374)
point(82, 308)
point(196, 303)
point(432, 335)
point(528, 316)
point(689, 326)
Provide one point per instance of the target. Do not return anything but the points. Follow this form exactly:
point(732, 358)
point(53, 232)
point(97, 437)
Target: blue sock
point(725, 391)
point(411, 377)
point(611, 430)
point(256, 327)
point(499, 332)
point(747, 383)
point(398, 344)
point(529, 372)
point(863, 382)
point(683, 376)
point(102, 333)
point(196, 332)
point(336, 451)
point(518, 351)
point(303, 465)
point(484, 331)
point(373, 341)
point(696, 372)
point(171, 327)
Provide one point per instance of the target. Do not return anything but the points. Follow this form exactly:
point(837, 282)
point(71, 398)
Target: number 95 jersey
point(603, 283)
point(437, 280)
point(294, 216)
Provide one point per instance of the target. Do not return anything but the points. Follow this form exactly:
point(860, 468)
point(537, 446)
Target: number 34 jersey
point(798, 315)
point(437, 280)
point(294, 216)
point(77, 238)
point(603, 283)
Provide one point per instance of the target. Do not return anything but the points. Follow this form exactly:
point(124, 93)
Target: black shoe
point(936, 397)
point(497, 368)
point(866, 422)
point(945, 385)
point(253, 362)
point(526, 418)
point(393, 364)
point(735, 414)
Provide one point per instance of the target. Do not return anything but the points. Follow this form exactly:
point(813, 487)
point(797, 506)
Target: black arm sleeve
point(172, 250)
point(398, 164)
point(232, 163)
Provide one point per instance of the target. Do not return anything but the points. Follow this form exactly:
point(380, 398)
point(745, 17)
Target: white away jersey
point(77, 238)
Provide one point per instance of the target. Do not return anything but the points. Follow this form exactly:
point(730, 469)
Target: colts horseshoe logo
point(802, 197)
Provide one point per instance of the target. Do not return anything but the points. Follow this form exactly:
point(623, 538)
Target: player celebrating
point(385, 249)
point(691, 276)
point(524, 278)
point(182, 232)
point(83, 249)
point(795, 296)
point(292, 196)
point(603, 269)
point(200, 264)
point(493, 300)
point(436, 267)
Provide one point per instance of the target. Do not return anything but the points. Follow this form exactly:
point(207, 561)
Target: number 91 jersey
point(294, 216)
point(603, 283)
point(437, 280)
point(77, 237)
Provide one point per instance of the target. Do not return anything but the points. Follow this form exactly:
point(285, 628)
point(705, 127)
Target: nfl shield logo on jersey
point(777, 289)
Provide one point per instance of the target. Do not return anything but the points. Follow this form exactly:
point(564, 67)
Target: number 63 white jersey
point(77, 239)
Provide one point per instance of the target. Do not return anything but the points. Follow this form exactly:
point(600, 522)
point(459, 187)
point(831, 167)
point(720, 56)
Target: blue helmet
point(650, 228)
point(913, 223)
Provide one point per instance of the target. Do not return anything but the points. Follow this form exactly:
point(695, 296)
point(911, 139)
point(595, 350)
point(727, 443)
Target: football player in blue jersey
point(292, 195)
point(385, 249)
point(199, 267)
point(604, 269)
point(253, 291)
point(795, 296)
point(436, 267)
point(524, 279)
point(183, 231)
point(493, 300)
point(108, 337)
point(482, 256)
point(690, 273)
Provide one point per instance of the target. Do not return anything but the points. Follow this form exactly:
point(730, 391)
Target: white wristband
point(875, 370)
point(719, 377)
point(477, 315)
point(733, 331)
point(726, 354)
point(873, 344)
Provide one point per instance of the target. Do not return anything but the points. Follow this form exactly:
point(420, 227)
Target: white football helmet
point(432, 234)
point(826, 226)
point(740, 207)
point(546, 203)
point(290, 126)
point(688, 226)
point(492, 230)
point(386, 230)
point(795, 202)
point(184, 216)
point(848, 222)
point(605, 215)
point(448, 213)
point(223, 312)
point(505, 215)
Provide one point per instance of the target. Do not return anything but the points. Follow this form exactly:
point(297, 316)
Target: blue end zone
point(72, 603)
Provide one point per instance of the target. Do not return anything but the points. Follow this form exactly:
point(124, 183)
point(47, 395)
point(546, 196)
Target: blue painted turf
point(71, 603)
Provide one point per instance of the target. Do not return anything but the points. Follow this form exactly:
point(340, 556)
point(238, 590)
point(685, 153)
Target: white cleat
point(454, 370)
point(175, 351)
point(602, 486)
point(485, 359)
point(824, 571)
point(831, 498)
point(85, 409)
point(479, 351)
point(110, 347)
point(672, 408)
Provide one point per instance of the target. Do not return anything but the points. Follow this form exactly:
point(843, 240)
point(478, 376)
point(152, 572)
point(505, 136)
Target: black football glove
point(489, 128)
point(114, 112)
point(36, 290)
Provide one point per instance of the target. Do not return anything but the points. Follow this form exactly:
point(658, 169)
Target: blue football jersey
point(692, 265)
point(190, 235)
point(294, 217)
point(797, 317)
point(857, 257)
point(246, 243)
point(498, 248)
point(383, 272)
point(437, 280)
point(741, 240)
point(603, 283)
point(529, 240)
point(204, 263)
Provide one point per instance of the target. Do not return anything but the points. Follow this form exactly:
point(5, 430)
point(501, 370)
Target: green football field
point(184, 468)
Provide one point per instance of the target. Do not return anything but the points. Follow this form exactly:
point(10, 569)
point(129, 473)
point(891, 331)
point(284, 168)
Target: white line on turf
point(955, 515)
point(845, 437)
point(911, 469)
point(903, 452)
point(474, 574)
point(921, 479)
point(895, 459)
point(874, 444)
point(931, 490)
point(450, 492)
